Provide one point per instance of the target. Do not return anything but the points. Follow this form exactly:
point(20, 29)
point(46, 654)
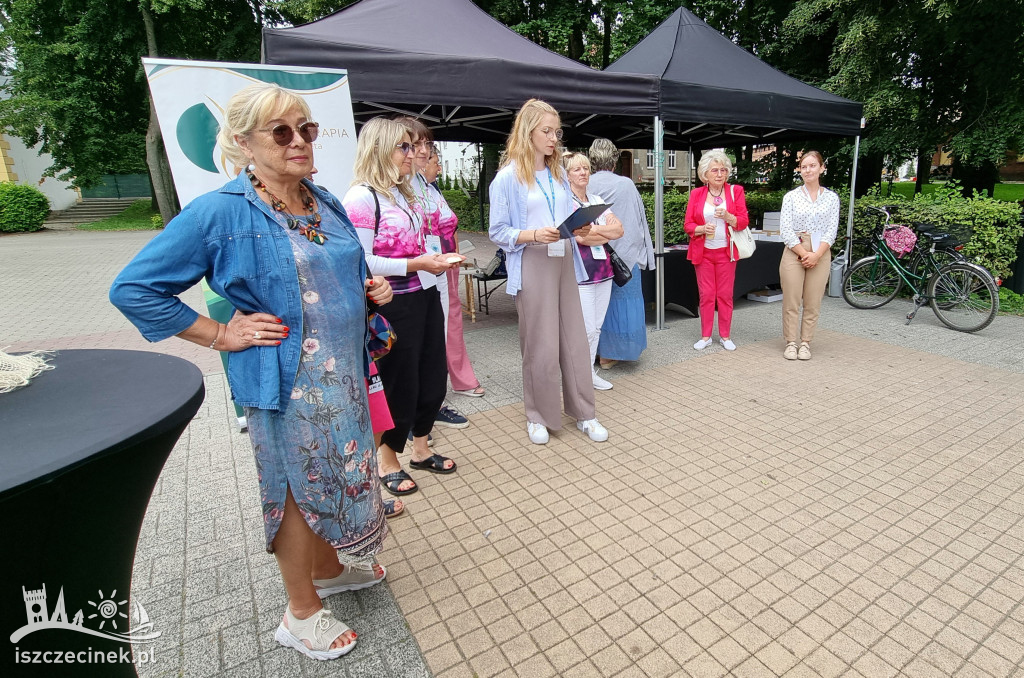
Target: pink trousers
point(715, 278)
point(460, 369)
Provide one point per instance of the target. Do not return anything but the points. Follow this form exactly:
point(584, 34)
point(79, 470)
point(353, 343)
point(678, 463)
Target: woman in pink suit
point(710, 210)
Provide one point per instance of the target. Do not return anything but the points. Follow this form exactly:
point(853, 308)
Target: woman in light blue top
point(530, 197)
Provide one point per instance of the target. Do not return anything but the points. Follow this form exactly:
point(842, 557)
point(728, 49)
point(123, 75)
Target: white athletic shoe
point(702, 344)
point(593, 428)
point(601, 384)
point(538, 433)
point(727, 343)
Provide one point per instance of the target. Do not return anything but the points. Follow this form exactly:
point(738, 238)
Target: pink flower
point(311, 346)
point(311, 297)
point(352, 491)
point(329, 364)
point(350, 466)
point(350, 447)
point(297, 393)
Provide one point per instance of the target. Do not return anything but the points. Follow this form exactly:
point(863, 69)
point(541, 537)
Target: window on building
point(671, 160)
point(650, 159)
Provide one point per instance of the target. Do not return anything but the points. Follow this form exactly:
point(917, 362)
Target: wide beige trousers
point(553, 340)
point(801, 286)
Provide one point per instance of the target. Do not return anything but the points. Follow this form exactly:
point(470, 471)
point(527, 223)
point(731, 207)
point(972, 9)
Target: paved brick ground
point(859, 514)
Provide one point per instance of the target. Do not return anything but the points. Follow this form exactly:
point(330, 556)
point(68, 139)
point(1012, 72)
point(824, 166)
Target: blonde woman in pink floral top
point(397, 246)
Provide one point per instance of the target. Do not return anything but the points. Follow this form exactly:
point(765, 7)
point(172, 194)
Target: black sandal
point(392, 481)
point(434, 463)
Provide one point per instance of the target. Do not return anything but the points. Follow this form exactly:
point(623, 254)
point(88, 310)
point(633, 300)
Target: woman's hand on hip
point(246, 330)
point(379, 290)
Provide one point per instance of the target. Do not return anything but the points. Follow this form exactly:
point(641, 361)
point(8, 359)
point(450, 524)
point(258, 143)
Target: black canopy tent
point(465, 74)
point(458, 69)
point(715, 93)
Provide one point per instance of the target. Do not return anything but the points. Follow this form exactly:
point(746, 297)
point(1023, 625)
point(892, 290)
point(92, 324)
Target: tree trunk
point(156, 156)
point(869, 172)
point(924, 168)
point(981, 177)
point(606, 43)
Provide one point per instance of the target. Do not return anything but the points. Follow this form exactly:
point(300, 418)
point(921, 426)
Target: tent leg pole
point(659, 224)
point(853, 190)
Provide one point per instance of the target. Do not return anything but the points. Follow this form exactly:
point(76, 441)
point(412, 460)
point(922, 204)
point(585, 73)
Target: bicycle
point(963, 295)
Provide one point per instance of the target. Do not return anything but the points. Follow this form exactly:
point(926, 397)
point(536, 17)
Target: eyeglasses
point(283, 134)
point(423, 143)
point(548, 132)
point(719, 170)
point(406, 147)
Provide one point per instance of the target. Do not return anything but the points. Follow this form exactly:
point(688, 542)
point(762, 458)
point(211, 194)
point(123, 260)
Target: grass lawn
point(138, 217)
point(1008, 192)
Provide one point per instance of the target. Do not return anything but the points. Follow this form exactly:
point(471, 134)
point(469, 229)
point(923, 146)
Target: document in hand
point(580, 218)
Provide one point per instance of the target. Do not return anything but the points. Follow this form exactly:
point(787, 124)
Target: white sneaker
point(593, 428)
point(702, 344)
point(538, 433)
point(601, 384)
point(727, 343)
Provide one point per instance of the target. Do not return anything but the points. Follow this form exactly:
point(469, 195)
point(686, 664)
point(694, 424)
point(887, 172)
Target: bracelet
point(535, 235)
point(213, 344)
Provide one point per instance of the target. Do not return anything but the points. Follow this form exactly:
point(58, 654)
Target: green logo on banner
point(197, 136)
point(296, 81)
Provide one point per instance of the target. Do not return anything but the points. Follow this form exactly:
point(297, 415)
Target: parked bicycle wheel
point(919, 265)
point(871, 282)
point(964, 296)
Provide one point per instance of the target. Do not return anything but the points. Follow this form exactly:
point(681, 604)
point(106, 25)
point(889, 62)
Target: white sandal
point(352, 578)
point(321, 630)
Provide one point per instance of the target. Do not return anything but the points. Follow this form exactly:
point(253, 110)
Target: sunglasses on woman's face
point(406, 148)
point(283, 134)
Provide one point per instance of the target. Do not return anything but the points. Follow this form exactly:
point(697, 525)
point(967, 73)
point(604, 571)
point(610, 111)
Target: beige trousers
point(801, 286)
point(553, 340)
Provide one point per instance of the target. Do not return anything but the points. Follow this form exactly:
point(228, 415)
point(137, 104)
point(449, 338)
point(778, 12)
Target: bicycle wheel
point(942, 257)
point(964, 296)
point(871, 282)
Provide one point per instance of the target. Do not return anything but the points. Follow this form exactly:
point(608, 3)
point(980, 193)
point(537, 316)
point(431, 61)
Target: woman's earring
point(252, 167)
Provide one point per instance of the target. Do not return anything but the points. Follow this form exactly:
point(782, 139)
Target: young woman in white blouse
point(808, 225)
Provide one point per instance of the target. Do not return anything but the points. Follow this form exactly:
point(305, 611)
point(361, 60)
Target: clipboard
point(581, 217)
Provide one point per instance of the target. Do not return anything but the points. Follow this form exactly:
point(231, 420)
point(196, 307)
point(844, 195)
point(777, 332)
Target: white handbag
point(743, 240)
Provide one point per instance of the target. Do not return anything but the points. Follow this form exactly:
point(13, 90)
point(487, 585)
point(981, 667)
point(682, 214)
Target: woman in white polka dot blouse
point(808, 225)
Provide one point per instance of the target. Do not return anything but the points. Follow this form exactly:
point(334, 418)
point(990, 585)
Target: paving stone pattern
point(857, 515)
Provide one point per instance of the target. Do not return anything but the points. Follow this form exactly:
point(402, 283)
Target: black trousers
point(415, 372)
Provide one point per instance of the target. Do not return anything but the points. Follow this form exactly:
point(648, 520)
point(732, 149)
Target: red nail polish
point(278, 343)
point(277, 319)
point(285, 328)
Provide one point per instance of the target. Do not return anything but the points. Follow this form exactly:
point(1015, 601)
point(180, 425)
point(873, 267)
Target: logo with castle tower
point(109, 616)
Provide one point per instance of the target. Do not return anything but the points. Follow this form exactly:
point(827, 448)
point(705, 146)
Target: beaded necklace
point(717, 199)
point(310, 227)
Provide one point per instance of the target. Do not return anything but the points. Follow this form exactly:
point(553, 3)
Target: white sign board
point(190, 97)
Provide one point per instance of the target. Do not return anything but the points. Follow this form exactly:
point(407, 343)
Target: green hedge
point(467, 209)
point(675, 210)
point(22, 208)
point(996, 224)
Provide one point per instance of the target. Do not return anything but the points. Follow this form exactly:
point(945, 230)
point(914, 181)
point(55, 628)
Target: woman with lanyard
point(808, 226)
point(434, 209)
point(530, 197)
point(595, 292)
point(390, 224)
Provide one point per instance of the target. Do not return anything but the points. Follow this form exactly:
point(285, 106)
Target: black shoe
point(447, 416)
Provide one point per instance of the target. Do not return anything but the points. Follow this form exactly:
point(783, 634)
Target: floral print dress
point(321, 445)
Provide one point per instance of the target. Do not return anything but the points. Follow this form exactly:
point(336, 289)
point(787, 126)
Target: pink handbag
point(900, 239)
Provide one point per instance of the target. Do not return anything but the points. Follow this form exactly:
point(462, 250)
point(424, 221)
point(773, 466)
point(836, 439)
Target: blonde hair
point(709, 157)
point(519, 150)
point(604, 155)
point(250, 108)
point(374, 167)
point(572, 160)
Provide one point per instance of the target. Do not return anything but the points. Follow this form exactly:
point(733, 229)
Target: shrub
point(22, 208)
point(467, 209)
point(995, 225)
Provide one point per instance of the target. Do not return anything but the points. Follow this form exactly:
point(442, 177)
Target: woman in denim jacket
point(530, 197)
point(284, 253)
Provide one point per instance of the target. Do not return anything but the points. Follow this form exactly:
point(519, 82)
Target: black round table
point(81, 449)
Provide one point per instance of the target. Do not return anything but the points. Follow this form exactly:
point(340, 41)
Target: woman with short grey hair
point(713, 211)
point(624, 333)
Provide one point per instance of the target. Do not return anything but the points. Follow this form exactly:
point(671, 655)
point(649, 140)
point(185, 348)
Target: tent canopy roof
point(714, 92)
point(452, 64)
point(465, 74)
